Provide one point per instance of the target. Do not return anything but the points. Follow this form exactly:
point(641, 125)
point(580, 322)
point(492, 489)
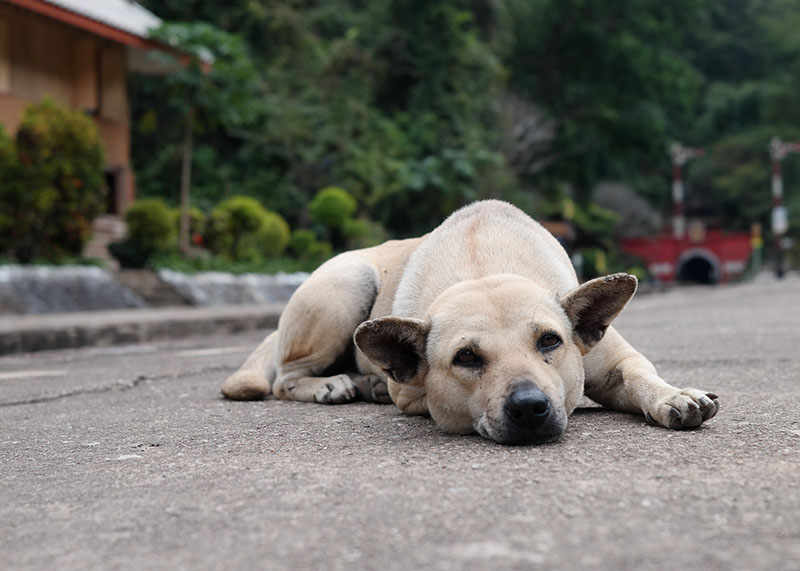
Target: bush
point(305, 246)
point(273, 237)
point(8, 165)
point(151, 230)
point(8, 153)
point(197, 224)
point(243, 230)
point(55, 186)
point(301, 242)
point(150, 225)
point(363, 233)
point(332, 206)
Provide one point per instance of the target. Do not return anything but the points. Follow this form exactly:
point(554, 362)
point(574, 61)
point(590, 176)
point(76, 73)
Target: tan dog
point(481, 324)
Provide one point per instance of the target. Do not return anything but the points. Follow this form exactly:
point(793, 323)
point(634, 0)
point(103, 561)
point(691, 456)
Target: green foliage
point(211, 263)
point(151, 230)
point(420, 107)
point(241, 229)
point(595, 225)
point(305, 246)
point(274, 234)
point(150, 224)
point(54, 187)
point(333, 206)
point(197, 223)
point(363, 233)
point(218, 79)
point(8, 152)
point(8, 178)
point(595, 262)
point(369, 96)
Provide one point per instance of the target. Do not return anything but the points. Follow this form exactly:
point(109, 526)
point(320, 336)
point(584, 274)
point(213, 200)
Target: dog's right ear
point(592, 306)
point(396, 345)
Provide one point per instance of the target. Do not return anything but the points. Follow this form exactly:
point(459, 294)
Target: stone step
point(106, 229)
point(150, 287)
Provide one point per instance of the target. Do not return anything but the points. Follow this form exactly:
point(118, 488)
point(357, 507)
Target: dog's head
point(500, 355)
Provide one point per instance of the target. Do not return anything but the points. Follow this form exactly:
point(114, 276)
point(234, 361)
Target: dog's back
point(484, 238)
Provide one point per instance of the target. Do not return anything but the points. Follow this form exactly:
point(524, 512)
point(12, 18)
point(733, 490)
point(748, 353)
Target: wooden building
point(79, 52)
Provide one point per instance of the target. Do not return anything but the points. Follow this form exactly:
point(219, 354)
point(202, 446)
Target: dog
point(480, 324)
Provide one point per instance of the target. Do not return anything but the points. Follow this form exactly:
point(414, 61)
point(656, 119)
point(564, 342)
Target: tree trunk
point(186, 180)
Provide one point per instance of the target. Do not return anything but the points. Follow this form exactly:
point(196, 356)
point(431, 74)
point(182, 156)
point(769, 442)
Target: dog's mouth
point(513, 435)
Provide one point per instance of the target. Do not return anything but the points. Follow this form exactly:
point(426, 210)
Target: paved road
point(127, 458)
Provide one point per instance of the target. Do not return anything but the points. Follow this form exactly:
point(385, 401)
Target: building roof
point(123, 21)
point(126, 15)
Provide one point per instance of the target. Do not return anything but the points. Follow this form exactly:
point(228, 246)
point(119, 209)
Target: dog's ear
point(592, 306)
point(396, 345)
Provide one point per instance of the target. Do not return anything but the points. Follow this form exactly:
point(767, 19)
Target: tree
point(614, 82)
point(214, 85)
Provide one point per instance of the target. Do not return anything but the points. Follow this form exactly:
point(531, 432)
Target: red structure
point(691, 253)
point(699, 256)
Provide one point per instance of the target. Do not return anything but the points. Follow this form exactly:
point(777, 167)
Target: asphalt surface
point(127, 458)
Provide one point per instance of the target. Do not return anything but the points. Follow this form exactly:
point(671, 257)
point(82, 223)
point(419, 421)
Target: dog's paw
point(336, 390)
point(372, 388)
point(687, 408)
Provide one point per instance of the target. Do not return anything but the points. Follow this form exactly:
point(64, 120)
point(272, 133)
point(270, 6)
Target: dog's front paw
point(372, 388)
point(336, 390)
point(687, 408)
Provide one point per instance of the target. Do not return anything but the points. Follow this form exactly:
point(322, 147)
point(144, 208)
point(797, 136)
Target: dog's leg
point(619, 377)
point(316, 331)
point(252, 380)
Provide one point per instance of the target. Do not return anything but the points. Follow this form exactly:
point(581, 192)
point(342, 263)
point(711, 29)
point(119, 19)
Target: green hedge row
point(241, 230)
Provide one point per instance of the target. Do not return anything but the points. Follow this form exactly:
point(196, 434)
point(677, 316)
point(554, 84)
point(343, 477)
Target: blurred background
point(263, 135)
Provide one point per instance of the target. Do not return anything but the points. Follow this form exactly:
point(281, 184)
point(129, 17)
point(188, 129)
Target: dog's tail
point(253, 380)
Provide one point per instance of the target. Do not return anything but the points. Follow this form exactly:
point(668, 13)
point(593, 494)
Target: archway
point(698, 266)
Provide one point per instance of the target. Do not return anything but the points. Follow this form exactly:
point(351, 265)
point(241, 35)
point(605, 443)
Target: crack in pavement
point(122, 385)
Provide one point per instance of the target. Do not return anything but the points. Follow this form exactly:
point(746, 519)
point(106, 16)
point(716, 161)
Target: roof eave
point(91, 26)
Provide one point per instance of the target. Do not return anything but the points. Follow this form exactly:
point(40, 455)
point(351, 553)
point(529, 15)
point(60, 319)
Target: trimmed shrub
point(273, 236)
point(197, 224)
point(363, 233)
point(150, 225)
point(8, 152)
point(151, 230)
point(305, 246)
point(243, 230)
point(301, 242)
point(332, 206)
point(57, 185)
point(8, 165)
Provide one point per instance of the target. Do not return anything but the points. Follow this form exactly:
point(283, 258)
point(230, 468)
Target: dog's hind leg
point(315, 346)
point(253, 379)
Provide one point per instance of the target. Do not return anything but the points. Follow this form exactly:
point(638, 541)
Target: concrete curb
point(29, 333)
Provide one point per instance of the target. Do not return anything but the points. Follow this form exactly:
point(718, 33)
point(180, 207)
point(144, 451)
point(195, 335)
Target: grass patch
point(209, 263)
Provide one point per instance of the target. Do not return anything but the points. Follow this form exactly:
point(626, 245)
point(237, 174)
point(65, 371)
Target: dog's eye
point(467, 358)
point(549, 341)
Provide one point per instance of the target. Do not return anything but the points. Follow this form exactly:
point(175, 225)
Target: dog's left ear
point(396, 345)
point(592, 306)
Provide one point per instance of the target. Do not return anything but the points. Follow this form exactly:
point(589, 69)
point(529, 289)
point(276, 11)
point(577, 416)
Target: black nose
point(527, 407)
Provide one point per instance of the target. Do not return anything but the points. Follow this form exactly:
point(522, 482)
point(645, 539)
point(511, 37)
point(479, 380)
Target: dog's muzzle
point(528, 417)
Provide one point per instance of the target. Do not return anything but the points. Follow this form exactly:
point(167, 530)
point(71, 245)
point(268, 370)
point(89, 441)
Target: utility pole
point(780, 218)
point(680, 156)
